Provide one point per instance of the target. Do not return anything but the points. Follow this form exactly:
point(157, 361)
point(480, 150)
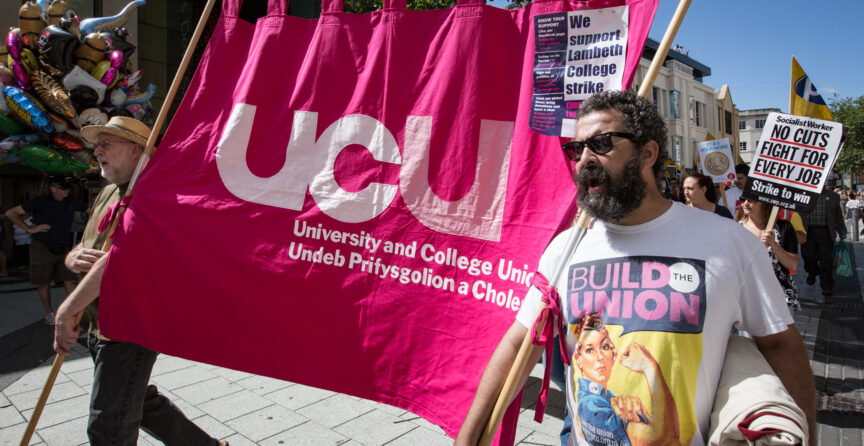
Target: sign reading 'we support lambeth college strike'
point(576, 54)
point(793, 159)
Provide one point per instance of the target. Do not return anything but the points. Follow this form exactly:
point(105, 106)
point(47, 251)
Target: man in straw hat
point(121, 400)
point(658, 285)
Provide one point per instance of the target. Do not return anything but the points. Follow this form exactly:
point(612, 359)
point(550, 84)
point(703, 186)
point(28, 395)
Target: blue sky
point(749, 45)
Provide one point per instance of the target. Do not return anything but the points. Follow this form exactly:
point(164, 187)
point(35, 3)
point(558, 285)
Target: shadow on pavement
point(24, 349)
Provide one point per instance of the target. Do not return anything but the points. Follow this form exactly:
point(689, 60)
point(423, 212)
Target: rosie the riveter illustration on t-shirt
point(637, 322)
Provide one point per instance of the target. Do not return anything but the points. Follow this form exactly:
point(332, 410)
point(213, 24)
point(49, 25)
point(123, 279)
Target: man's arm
point(493, 380)
point(786, 354)
point(81, 259)
point(16, 215)
point(65, 328)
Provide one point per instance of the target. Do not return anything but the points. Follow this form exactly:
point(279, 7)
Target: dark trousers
point(122, 401)
point(558, 376)
point(818, 256)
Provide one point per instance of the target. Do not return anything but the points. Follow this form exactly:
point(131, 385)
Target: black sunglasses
point(600, 144)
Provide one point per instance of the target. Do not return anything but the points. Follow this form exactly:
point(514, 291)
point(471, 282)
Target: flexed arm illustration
point(662, 427)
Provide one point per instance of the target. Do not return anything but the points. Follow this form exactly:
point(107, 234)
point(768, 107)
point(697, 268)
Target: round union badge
point(716, 163)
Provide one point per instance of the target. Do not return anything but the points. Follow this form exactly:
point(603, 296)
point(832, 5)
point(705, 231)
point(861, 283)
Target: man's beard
point(619, 197)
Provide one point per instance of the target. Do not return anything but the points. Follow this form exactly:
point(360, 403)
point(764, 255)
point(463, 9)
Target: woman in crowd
point(700, 193)
point(781, 243)
point(851, 206)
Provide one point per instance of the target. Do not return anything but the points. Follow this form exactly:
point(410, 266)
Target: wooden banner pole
point(521, 362)
point(663, 49)
point(148, 151)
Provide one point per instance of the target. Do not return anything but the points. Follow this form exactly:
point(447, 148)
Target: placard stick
point(508, 391)
point(772, 218)
point(663, 49)
point(148, 151)
point(723, 194)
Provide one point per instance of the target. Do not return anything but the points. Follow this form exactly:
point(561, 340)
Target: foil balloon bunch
point(58, 73)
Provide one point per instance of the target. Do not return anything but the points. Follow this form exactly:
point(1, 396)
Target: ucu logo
point(309, 164)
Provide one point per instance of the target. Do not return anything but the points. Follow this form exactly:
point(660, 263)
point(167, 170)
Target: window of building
point(728, 118)
point(87, 8)
point(697, 113)
point(692, 103)
point(657, 96)
point(743, 146)
point(760, 123)
point(742, 125)
point(674, 104)
point(677, 149)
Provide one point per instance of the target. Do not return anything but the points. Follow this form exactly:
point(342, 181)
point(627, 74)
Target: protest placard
point(576, 54)
point(793, 159)
point(716, 156)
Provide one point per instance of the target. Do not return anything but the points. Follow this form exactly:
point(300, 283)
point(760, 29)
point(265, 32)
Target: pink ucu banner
point(354, 203)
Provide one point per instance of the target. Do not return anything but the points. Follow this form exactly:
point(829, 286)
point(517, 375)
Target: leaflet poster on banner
point(716, 156)
point(576, 54)
point(793, 158)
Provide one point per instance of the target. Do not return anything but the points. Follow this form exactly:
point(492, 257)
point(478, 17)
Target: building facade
point(693, 109)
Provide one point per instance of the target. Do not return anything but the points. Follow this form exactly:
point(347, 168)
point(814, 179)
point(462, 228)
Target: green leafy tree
point(850, 112)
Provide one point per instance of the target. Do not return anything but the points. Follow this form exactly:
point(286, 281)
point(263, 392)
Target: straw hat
point(129, 128)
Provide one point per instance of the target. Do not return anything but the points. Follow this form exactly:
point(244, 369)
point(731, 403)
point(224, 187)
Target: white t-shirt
point(733, 194)
point(21, 236)
point(676, 285)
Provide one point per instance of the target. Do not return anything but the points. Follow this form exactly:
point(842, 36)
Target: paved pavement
point(249, 409)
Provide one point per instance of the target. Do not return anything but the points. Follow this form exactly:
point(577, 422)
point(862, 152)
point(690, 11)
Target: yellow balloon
point(28, 61)
point(100, 70)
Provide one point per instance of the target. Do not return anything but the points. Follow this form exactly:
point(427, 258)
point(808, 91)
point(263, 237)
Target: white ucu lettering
point(309, 164)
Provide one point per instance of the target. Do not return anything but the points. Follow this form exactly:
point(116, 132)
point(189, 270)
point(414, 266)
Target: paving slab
point(421, 437)
point(61, 411)
point(72, 432)
point(211, 389)
point(234, 405)
point(309, 433)
point(63, 391)
point(335, 410)
point(298, 396)
point(262, 385)
point(214, 427)
point(375, 428)
point(182, 377)
point(267, 422)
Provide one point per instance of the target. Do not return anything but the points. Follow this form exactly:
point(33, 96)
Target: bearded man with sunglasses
point(660, 275)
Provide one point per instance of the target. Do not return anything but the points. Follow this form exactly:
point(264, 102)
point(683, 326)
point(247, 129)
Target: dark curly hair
point(641, 118)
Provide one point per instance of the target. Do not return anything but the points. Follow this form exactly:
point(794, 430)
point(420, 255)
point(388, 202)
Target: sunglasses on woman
point(600, 144)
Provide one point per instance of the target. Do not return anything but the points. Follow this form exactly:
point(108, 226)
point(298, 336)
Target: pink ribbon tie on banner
point(105, 223)
point(546, 337)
